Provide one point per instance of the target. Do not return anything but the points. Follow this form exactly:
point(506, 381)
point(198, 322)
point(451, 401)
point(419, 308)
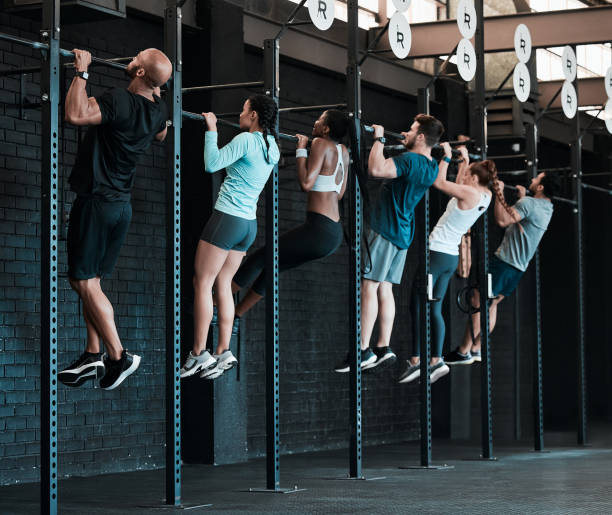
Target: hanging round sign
point(400, 36)
point(569, 99)
point(608, 115)
point(466, 60)
point(466, 18)
point(608, 80)
point(522, 43)
point(401, 5)
point(569, 64)
point(321, 13)
point(522, 82)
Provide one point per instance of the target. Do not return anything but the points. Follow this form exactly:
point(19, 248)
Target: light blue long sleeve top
point(244, 159)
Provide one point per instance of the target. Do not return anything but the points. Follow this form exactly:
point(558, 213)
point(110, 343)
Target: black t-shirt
point(108, 154)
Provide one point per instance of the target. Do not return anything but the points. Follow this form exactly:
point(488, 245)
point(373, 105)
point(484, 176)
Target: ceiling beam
point(548, 29)
point(591, 92)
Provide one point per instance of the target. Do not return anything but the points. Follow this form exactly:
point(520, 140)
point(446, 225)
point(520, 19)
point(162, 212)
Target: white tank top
point(328, 182)
point(454, 223)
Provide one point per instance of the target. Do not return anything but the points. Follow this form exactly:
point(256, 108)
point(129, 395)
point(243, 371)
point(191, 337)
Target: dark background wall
point(124, 429)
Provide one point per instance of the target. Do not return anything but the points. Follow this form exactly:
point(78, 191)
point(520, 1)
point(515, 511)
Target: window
point(419, 11)
point(368, 12)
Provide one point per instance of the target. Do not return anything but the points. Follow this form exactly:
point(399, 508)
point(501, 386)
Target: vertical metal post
point(353, 78)
point(517, 366)
point(538, 415)
point(271, 85)
point(480, 134)
point(49, 89)
point(576, 157)
point(425, 384)
point(173, 48)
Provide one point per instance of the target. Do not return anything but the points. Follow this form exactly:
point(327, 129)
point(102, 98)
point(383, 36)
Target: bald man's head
point(152, 66)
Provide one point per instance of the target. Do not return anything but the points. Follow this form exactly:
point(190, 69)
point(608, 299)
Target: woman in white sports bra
point(322, 174)
point(470, 198)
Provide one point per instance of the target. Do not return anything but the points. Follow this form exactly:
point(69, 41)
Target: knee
point(84, 286)
point(369, 287)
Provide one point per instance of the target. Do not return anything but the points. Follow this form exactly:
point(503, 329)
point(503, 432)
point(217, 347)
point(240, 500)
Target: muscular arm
point(378, 166)
point(80, 109)
point(502, 217)
point(309, 168)
point(460, 191)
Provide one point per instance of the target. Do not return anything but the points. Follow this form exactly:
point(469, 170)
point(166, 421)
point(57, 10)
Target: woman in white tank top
point(470, 198)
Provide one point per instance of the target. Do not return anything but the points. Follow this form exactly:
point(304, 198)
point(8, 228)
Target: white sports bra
point(328, 182)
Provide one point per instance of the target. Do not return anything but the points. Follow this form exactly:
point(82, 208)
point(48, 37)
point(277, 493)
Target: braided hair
point(267, 112)
point(486, 171)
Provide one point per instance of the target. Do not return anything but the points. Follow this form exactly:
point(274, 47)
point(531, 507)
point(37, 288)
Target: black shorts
point(229, 232)
point(97, 229)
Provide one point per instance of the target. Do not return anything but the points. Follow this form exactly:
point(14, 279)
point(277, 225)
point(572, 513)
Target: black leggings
point(442, 267)
point(318, 237)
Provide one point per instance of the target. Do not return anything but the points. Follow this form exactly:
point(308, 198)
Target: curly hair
point(267, 112)
point(486, 171)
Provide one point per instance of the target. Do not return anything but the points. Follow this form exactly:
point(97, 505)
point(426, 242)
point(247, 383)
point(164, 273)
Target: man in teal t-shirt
point(392, 229)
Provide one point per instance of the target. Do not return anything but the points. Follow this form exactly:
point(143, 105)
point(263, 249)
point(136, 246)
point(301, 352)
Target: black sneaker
point(477, 355)
point(384, 357)
point(457, 358)
point(367, 359)
point(89, 366)
point(118, 371)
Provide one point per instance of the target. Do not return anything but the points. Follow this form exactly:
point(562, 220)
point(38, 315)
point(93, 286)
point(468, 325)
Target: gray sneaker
point(223, 362)
point(194, 364)
point(439, 370)
point(411, 373)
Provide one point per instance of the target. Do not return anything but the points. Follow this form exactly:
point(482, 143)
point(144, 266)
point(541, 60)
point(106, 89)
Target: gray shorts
point(229, 232)
point(387, 260)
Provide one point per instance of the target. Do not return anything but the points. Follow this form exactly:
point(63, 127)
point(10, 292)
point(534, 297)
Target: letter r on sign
point(322, 9)
point(400, 37)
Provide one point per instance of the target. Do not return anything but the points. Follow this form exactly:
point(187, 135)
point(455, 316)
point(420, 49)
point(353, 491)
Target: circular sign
point(608, 80)
point(568, 63)
point(400, 36)
point(321, 13)
point(522, 82)
point(401, 5)
point(522, 43)
point(466, 60)
point(608, 115)
point(569, 99)
point(466, 18)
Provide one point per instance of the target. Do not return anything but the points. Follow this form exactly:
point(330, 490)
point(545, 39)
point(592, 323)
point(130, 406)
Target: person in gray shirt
point(525, 223)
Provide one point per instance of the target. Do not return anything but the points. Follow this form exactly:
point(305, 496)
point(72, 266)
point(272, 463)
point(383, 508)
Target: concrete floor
point(565, 480)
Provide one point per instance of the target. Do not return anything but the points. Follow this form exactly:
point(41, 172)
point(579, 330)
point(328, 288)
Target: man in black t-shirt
point(123, 125)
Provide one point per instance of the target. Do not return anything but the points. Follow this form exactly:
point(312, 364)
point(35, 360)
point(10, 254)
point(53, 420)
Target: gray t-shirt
point(518, 246)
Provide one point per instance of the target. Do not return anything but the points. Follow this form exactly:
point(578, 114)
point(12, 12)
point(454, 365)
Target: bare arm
point(79, 108)
point(308, 169)
point(378, 166)
point(503, 218)
point(347, 165)
point(461, 191)
point(161, 136)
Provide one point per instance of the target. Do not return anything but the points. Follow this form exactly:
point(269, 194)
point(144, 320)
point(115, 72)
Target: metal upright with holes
point(353, 78)
point(173, 48)
point(49, 88)
point(538, 415)
point(271, 86)
point(480, 134)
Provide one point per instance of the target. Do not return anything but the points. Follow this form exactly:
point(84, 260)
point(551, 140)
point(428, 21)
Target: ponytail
point(267, 112)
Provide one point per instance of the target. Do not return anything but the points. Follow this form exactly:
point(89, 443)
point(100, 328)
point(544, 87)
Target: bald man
point(123, 123)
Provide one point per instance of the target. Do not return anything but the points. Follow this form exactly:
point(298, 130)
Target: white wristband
point(301, 152)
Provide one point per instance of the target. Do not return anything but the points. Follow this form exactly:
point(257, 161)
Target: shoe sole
point(415, 375)
point(437, 374)
point(455, 363)
point(380, 364)
point(125, 374)
point(97, 373)
point(477, 359)
point(365, 365)
point(200, 367)
point(206, 374)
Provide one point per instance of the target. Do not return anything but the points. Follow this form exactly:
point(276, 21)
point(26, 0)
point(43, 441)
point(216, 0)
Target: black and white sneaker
point(224, 361)
point(457, 358)
point(89, 366)
point(385, 357)
point(118, 371)
point(411, 373)
point(196, 363)
point(440, 369)
point(477, 355)
point(367, 359)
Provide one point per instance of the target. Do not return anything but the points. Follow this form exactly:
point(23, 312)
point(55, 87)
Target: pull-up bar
point(596, 188)
point(112, 63)
point(200, 118)
point(555, 199)
point(232, 85)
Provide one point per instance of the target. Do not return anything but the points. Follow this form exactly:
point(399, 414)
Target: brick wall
point(100, 431)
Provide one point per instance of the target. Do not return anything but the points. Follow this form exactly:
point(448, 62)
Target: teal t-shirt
point(244, 160)
point(393, 216)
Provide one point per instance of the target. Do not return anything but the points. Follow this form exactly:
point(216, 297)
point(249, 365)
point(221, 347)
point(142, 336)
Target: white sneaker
point(440, 369)
point(194, 364)
point(224, 361)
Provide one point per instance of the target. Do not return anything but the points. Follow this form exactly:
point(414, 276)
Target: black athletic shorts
point(97, 229)
point(229, 232)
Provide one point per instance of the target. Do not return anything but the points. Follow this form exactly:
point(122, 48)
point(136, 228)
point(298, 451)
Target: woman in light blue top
point(248, 159)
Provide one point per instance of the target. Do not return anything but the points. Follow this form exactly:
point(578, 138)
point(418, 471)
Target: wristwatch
point(446, 159)
point(83, 75)
point(382, 139)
